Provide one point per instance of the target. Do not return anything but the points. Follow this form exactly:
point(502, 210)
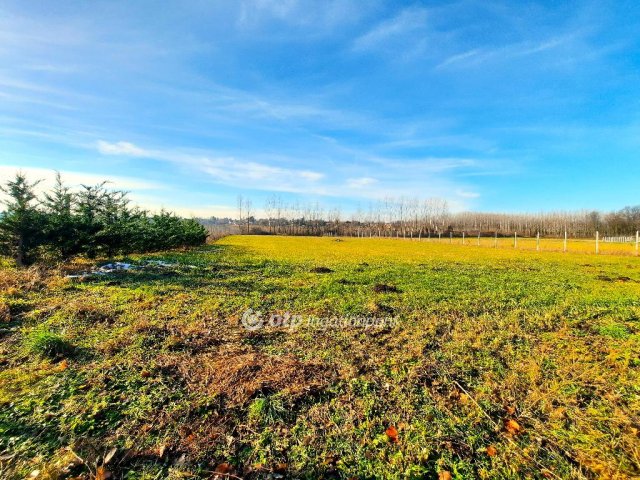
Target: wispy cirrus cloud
point(121, 148)
point(228, 170)
point(398, 178)
point(480, 56)
point(399, 27)
point(314, 17)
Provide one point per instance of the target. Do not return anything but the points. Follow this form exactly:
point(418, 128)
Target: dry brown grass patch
point(13, 281)
point(240, 377)
point(5, 313)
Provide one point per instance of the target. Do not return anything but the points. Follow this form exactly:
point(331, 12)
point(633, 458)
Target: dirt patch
point(377, 308)
point(321, 270)
point(241, 377)
point(604, 278)
point(384, 288)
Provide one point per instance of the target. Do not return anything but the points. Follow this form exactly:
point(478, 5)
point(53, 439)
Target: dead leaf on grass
point(392, 434)
point(224, 468)
point(103, 474)
point(512, 427)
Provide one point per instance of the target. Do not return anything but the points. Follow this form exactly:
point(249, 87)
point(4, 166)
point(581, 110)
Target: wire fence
point(605, 245)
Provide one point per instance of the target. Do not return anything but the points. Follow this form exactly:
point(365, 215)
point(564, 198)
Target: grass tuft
point(46, 343)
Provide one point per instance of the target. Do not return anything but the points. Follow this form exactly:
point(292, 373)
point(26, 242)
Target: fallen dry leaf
point(63, 365)
point(223, 468)
point(492, 451)
point(392, 434)
point(103, 474)
point(512, 427)
point(444, 475)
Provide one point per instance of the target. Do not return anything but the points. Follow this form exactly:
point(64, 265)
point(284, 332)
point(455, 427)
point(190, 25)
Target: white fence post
point(565, 241)
point(515, 239)
point(538, 242)
point(597, 243)
point(637, 240)
point(451, 237)
point(478, 238)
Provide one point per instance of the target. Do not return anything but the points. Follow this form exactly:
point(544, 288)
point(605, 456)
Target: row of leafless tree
point(412, 217)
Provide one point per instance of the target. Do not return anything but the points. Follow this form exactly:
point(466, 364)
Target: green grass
point(157, 364)
point(45, 343)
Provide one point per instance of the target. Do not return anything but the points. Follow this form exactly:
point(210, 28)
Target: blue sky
point(501, 106)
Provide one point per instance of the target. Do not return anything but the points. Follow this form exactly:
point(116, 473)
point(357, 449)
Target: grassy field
point(502, 364)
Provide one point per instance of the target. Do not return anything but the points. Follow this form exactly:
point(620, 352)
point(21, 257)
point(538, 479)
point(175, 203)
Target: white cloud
point(75, 180)
point(228, 170)
point(467, 194)
point(479, 56)
point(407, 21)
point(121, 148)
point(361, 182)
point(419, 177)
point(315, 17)
point(312, 176)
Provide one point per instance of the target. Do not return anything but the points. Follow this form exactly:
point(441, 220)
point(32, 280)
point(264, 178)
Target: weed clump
point(267, 410)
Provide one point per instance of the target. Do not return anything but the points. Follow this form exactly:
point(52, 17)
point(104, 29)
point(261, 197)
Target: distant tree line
point(412, 217)
point(94, 221)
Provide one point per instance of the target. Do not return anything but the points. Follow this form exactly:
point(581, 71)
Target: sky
point(493, 106)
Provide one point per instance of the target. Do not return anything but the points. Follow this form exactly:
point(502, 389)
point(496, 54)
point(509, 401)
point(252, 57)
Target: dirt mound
point(384, 288)
point(321, 270)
